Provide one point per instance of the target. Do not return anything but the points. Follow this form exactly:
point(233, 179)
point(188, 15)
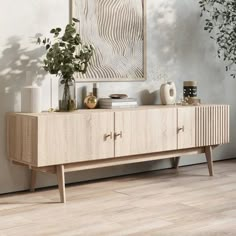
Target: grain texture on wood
point(79, 137)
point(64, 142)
point(145, 131)
point(21, 140)
point(163, 203)
point(212, 125)
point(186, 127)
point(209, 157)
point(61, 183)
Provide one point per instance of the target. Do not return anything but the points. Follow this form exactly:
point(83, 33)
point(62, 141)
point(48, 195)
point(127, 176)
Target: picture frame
point(117, 29)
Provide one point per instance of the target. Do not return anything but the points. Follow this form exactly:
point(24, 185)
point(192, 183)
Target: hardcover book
point(117, 103)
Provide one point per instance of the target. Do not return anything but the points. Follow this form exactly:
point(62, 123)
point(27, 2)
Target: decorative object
point(90, 101)
point(118, 96)
point(117, 30)
point(190, 89)
point(91, 140)
point(66, 54)
point(67, 94)
point(31, 99)
point(220, 23)
point(168, 93)
point(190, 93)
point(95, 89)
point(51, 109)
point(190, 101)
point(109, 103)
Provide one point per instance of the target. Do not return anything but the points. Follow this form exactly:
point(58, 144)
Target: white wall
point(177, 49)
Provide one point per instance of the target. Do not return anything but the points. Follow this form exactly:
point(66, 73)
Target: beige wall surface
point(178, 49)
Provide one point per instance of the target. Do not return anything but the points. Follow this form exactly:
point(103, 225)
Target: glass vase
point(67, 95)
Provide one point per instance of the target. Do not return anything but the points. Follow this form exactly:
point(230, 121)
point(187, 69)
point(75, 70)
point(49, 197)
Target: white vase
point(31, 99)
point(168, 93)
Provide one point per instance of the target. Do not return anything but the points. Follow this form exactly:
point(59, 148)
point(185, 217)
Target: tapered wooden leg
point(32, 180)
point(61, 182)
point(175, 162)
point(209, 157)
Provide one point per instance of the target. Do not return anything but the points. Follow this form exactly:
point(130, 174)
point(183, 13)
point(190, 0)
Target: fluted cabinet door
point(145, 131)
point(212, 125)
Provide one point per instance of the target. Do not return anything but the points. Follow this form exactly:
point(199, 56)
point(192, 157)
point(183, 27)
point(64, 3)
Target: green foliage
point(220, 22)
point(65, 52)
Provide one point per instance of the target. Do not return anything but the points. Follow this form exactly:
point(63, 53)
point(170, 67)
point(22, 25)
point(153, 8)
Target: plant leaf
point(52, 31)
point(75, 20)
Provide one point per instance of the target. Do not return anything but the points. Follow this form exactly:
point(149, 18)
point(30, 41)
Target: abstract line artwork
point(116, 29)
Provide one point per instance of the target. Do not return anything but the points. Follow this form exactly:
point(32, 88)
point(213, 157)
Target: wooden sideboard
point(88, 139)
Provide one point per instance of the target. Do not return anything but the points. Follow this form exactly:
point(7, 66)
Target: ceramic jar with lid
point(190, 89)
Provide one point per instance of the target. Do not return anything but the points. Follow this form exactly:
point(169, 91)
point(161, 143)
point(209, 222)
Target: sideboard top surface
point(80, 111)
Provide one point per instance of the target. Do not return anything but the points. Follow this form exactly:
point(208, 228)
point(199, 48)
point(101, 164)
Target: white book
point(118, 104)
point(116, 101)
point(123, 105)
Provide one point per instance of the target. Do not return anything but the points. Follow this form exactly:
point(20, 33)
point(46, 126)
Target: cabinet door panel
point(186, 127)
point(22, 138)
point(75, 137)
point(145, 131)
point(212, 125)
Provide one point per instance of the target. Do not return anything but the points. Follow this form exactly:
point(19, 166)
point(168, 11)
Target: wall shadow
point(148, 98)
point(16, 64)
point(19, 67)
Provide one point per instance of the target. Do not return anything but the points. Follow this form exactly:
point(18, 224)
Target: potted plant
point(65, 55)
point(220, 22)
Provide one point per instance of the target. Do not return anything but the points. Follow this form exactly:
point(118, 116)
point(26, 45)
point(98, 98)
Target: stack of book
point(108, 103)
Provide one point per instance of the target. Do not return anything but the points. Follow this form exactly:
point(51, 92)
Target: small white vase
point(168, 93)
point(31, 99)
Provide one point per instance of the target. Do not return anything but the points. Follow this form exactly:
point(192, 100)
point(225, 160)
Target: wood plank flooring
point(186, 202)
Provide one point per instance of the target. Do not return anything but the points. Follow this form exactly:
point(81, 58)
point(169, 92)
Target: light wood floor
point(162, 203)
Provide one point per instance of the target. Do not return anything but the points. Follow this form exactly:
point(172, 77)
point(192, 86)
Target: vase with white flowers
point(66, 54)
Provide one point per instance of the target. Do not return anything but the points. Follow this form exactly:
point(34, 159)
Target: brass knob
point(118, 134)
point(181, 129)
point(106, 136)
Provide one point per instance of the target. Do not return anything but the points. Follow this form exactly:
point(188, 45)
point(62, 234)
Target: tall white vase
point(31, 99)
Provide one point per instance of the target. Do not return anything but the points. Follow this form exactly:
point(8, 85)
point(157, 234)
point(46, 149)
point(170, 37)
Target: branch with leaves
point(66, 53)
point(220, 22)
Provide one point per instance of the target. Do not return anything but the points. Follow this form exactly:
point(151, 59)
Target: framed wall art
point(116, 28)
